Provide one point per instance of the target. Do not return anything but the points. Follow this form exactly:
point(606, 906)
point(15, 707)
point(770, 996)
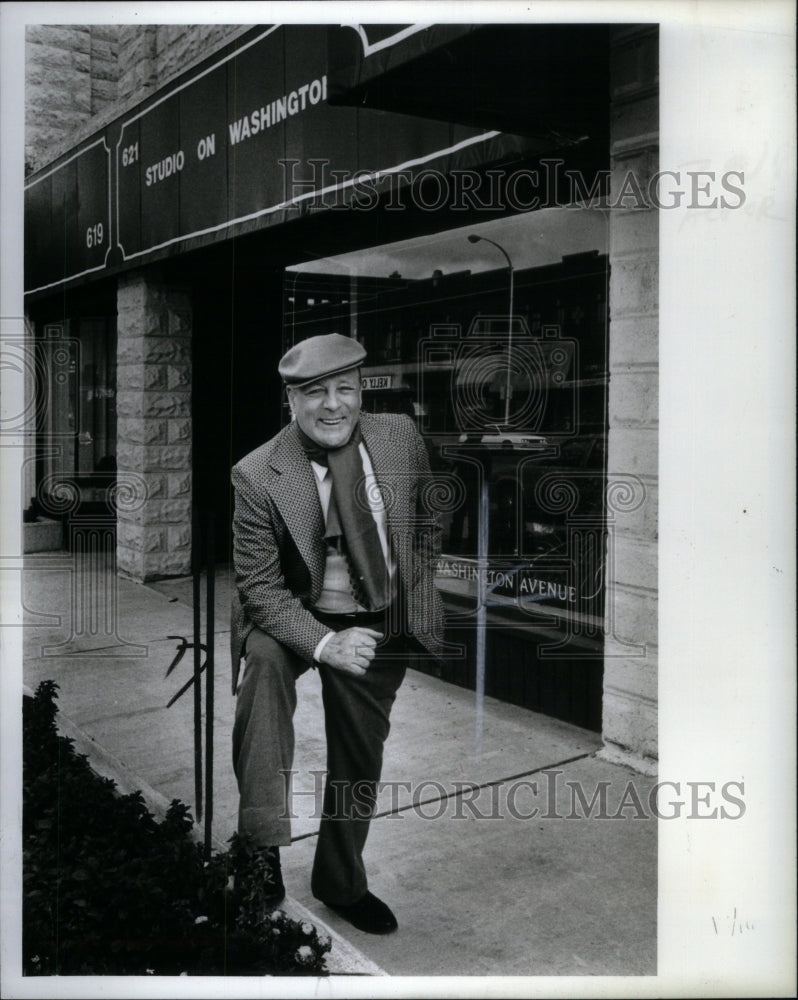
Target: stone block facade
point(154, 425)
point(52, 111)
point(150, 54)
point(78, 77)
point(630, 664)
point(84, 61)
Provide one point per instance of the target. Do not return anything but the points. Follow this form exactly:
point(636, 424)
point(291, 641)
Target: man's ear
point(289, 392)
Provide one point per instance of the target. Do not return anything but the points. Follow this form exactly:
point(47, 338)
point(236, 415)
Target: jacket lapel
point(391, 471)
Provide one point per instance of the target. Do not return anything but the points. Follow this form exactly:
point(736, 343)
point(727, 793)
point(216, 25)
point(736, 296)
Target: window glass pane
point(493, 337)
point(78, 412)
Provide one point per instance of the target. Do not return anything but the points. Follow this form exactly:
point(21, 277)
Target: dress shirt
point(374, 497)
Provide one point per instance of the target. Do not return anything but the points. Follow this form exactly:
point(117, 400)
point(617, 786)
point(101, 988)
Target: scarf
point(349, 521)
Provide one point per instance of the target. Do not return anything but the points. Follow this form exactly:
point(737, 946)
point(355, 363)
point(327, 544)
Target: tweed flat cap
point(320, 357)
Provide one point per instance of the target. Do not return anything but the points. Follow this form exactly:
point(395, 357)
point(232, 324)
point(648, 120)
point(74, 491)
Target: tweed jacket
point(278, 527)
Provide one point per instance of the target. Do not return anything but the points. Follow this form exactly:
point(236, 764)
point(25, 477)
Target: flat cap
point(320, 357)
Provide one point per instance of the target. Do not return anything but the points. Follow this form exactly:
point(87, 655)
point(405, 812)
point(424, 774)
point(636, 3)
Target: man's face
point(328, 410)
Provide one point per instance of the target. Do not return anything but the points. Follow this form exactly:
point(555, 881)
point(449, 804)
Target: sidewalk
point(480, 882)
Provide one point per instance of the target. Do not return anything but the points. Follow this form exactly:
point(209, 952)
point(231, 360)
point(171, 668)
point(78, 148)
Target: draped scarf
point(350, 523)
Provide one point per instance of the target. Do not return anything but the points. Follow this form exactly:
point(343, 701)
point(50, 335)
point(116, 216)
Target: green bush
point(109, 890)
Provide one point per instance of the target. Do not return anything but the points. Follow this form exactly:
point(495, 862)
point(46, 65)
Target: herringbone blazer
point(278, 536)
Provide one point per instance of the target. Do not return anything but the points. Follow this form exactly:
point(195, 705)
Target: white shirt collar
point(320, 470)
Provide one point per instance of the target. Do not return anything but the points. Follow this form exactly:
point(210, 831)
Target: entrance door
point(236, 390)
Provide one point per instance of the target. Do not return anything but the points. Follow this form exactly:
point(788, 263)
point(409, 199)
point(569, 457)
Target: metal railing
point(202, 558)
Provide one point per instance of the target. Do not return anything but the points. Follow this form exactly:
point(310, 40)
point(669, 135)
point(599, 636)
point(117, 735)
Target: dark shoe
point(368, 914)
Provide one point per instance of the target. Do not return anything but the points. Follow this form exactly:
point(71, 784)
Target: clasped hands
point(351, 650)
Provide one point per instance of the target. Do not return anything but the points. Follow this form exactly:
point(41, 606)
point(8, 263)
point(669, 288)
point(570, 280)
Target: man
point(334, 545)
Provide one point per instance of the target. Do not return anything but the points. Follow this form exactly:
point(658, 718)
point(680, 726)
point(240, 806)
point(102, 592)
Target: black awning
point(528, 79)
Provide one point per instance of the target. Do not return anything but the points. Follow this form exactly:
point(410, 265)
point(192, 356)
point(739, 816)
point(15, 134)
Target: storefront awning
point(530, 79)
point(288, 122)
point(244, 141)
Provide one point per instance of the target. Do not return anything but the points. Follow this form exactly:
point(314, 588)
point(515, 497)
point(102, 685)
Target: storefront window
point(77, 410)
point(514, 396)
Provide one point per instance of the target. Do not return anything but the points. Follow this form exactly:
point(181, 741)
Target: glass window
point(78, 406)
point(493, 337)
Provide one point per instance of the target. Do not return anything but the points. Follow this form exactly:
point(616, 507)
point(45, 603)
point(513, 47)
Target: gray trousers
point(356, 714)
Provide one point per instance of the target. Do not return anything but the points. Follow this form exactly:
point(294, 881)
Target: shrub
point(107, 889)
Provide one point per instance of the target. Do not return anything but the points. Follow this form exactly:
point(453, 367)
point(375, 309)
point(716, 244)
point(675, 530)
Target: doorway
point(236, 398)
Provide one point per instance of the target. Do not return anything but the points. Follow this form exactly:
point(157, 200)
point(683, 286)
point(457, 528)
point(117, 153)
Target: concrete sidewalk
point(504, 844)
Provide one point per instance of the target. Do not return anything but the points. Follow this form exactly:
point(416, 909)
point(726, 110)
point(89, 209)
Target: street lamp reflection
point(474, 238)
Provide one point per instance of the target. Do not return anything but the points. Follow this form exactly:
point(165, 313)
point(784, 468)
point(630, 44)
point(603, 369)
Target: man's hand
point(351, 651)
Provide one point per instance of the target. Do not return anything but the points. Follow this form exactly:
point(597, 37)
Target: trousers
point(356, 716)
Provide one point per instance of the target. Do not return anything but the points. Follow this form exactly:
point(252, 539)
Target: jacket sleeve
point(264, 596)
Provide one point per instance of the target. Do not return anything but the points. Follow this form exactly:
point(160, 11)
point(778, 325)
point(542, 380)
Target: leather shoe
point(368, 914)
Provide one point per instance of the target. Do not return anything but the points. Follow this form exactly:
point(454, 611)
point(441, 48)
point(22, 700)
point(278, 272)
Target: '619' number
point(95, 235)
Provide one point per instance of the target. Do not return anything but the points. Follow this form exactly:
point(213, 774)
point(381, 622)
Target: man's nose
point(331, 400)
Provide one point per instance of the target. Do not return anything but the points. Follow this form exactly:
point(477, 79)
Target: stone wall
point(153, 427)
point(630, 667)
point(152, 53)
point(58, 63)
point(104, 54)
point(80, 77)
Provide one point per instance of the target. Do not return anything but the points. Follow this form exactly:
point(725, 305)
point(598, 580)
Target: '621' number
point(95, 235)
point(130, 154)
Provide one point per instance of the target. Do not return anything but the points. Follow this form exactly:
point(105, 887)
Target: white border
point(727, 565)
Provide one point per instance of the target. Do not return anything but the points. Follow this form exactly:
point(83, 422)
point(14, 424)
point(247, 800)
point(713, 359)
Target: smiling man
point(334, 548)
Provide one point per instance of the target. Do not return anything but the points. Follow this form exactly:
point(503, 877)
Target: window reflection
point(520, 400)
